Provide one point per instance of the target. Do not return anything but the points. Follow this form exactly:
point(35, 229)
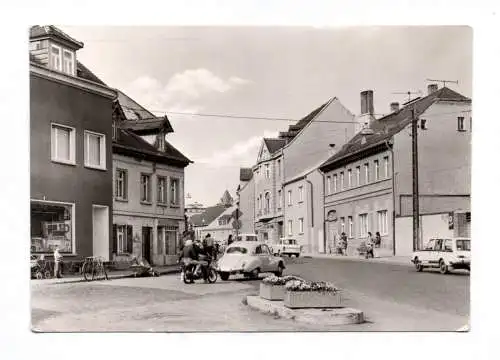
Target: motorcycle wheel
point(188, 277)
point(212, 276)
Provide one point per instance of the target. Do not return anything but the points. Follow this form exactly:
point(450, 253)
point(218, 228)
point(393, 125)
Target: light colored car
point(247, 237)
point(287, 246)
point(250, 259)
point(445, 254)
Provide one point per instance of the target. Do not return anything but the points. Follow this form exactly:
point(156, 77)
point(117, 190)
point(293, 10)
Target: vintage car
point(286, 246)
point(249, 258)
point(246, 237)
point(444, 254)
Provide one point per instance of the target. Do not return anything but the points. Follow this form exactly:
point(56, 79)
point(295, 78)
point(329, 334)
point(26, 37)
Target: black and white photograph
point(250, 179)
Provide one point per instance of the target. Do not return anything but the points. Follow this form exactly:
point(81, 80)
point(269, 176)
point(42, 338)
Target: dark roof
point(128, 143)
point(274, 145)
point(139, 119)
point(50, 30)
point(209, 215)
point(293, 130)
point(246, 174)
point(389, 125)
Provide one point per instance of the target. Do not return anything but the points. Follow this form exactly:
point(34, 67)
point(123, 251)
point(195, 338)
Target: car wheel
point(255, 273)
point(297, 255)
point(443, 268)
point(224, 276)
point(281, 267)
point(418, 265)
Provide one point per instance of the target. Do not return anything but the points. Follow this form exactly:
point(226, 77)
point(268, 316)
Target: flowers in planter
point(276, 280)
point(302, 285)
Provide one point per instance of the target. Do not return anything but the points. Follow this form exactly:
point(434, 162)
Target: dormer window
point(55, 57)
point(62, 59)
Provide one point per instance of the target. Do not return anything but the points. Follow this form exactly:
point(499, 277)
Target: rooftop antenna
point(443, 81)
point(409, 93)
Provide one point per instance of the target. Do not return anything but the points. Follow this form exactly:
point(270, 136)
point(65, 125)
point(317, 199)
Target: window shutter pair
point(125, 185)
point(115, 240)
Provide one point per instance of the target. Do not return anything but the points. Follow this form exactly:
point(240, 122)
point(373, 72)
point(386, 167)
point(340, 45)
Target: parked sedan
point(249, 259)
point(443, 253)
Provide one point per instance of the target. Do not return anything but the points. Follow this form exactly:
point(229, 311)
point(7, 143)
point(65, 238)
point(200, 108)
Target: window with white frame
point(335, 183)
point(289, 197)
point(51, 226)
point(145, 188)
point(267, 202)
point(121, 184)
point(358, 175)
point(301, 193)
point(121, 237)
point(68, 65)
point(382, 222)
point(161, 240)
point(341, 180)
point(328, 185)
point(363, 225)
point(301, 225)
point(63, 144)
point(386, 166)
point(174, 191)
point(349, 178)
point(280, 199)
point(95, 150)
point(367, 173)
point(56, 57)
point(268, 171)
point(342, 225)
point(290, 224)
point(350, 225)
point(162, 190)
point(377, 170)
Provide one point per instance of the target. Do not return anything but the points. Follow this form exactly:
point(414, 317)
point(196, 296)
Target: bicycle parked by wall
point(93, 269)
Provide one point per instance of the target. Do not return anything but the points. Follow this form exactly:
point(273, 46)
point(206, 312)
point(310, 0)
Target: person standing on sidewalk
point(343, 238)
point(369, 246)
point(57, 263)
point(378, 239)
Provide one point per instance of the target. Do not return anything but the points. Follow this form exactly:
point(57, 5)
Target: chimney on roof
point(394, 106)
point(431, 88)
point(367, 102)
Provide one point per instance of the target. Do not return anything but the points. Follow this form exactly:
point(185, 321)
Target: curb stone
point(334, 316)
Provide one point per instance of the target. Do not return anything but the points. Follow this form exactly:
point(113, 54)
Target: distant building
point(70, 149)
point(222, 226)
point(200, 221)
point(246, 199)
point(368, 183)
point(194, 208)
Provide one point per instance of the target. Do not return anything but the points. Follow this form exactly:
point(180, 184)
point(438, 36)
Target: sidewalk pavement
point(397, 260)
point(112, 274)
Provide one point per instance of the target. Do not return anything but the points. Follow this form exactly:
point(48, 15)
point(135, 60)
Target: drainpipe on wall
point(393, 176)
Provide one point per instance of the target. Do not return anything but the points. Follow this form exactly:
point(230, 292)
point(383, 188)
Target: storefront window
point(51, 226)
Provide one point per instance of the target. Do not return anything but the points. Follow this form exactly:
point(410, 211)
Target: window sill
point(162, 204)
point(464, 130)
point(300, 202)
point(300, 233)
point(95, 167)
point(175, 205)
point(64, 162)
point(121, 200)
point(146, 202)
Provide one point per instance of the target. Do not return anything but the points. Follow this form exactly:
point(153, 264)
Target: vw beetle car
point(250, 259)
point(445, 254)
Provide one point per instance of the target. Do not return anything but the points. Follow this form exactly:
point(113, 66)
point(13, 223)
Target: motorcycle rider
point(202, 264)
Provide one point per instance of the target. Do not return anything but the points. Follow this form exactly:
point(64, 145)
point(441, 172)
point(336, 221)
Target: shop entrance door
point(146, 243)
point(100, 231)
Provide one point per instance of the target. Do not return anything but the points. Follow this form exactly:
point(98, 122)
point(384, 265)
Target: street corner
point(319, 316)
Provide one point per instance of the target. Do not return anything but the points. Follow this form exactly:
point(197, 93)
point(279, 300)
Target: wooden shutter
point(129, 239)
point(125, 185)
point(115, 241)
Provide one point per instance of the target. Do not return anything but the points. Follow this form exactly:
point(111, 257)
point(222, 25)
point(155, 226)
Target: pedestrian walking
point(344, 243)
point(378, 239)
point(229, 239)
point(57, 263)
point(369, 246)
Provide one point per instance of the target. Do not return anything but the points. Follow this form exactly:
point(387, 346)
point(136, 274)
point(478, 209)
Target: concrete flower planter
point(312, 299)
point(272, 292)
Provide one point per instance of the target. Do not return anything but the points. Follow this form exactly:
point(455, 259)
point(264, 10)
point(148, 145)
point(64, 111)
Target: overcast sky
point(265, 72)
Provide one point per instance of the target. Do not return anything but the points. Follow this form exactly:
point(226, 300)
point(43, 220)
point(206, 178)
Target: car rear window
point(236, 250)
point(463, 245)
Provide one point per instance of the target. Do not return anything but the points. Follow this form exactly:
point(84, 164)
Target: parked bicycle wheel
point(88, 271)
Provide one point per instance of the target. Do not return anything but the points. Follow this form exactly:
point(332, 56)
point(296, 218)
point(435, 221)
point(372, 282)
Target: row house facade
point(148, 206)
point(246, 201)
point(368, 183)
point(70, 149)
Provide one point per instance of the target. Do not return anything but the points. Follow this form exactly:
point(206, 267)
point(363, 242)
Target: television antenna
point(409, 93)
point(443, 81)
